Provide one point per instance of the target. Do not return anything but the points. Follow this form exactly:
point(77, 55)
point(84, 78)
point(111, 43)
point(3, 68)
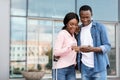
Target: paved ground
point(109, 79)
point(114, 78)
point(80, 79)
point(77, 79)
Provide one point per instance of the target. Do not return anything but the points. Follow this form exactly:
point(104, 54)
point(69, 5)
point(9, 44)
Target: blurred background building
point(28, 29)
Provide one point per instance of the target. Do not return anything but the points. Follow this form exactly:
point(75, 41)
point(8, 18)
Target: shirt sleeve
point(106, 46)
point(59, 50)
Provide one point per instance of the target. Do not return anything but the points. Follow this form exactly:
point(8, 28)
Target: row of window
point(34, 24)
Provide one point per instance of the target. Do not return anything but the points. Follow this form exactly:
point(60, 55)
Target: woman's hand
point(56, 58)
point(76, 48)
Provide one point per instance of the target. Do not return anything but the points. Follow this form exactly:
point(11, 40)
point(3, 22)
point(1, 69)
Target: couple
point(90, 48)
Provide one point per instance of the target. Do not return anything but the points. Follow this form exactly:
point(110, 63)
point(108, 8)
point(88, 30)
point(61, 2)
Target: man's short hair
point(85, 8)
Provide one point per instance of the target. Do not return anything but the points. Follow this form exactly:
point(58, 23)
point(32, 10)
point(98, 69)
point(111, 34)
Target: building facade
point(29, 28)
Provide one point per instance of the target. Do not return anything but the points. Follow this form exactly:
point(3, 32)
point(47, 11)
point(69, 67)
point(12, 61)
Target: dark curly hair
point(68, 17)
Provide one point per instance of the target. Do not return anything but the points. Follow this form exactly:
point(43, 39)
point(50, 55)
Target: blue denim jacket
point(100, 39)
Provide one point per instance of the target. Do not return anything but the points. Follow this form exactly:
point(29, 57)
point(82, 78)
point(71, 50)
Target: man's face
point(85, 17)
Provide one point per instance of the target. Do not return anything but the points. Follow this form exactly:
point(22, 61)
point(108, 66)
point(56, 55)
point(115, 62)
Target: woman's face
point(85, 17)
point(72, 25)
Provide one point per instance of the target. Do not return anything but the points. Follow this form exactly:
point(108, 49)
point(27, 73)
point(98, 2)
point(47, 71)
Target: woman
point(63, 49)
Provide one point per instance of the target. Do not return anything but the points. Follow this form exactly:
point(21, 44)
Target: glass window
point(102, 9)
point(39, 36)
point(112, 55)
point(15, 69)
point(32, 39)
point(50, 8)
point(57, 27)
point(18, 38)
point(18, 7)
point(18, 29)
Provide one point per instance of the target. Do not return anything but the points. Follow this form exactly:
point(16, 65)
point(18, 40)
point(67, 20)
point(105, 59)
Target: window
point(18, 36)
point(39, 36)
point(100, 10)
point(50, 8)
point(18, 7)
point(34, 27)
point(111, 27)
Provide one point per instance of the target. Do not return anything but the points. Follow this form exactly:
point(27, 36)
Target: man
point(92, 58)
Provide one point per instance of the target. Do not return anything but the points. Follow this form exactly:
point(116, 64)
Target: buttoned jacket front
point(100, 39)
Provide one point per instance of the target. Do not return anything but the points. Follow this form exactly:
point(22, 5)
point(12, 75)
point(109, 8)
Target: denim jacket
point(100, 39)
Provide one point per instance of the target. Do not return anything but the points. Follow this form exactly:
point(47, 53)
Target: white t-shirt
point(86, 39)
